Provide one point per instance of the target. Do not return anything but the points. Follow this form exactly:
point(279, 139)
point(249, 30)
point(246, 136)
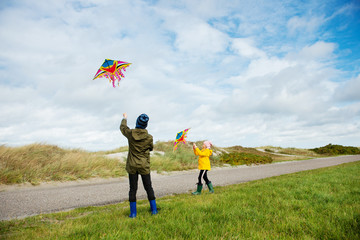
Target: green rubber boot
point(211, 188)
point(198, 190)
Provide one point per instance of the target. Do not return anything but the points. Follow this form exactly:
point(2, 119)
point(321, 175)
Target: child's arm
point(202, 153)
point(194, 148)
point(125, 130)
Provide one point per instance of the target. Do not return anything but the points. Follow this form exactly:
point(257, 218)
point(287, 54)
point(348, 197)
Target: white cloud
point(304, 25)
point(319, 50)
point(193, 35)
point(349, 90)
point(285, 87)
point(236, 73)
point(244, 46)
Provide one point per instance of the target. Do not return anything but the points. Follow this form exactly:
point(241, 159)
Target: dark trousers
point(133, 179)
point(203, 174)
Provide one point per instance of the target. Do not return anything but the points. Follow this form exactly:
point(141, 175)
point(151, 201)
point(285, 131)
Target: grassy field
point(37, 163)
point(316, 204)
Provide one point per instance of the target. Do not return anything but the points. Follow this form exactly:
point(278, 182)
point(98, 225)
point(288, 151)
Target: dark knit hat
point(142, 121)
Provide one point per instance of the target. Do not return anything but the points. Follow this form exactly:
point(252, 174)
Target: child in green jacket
point(138, 160)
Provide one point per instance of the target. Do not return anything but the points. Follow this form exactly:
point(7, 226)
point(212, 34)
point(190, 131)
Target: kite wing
point(180, 137)
point(112, 70)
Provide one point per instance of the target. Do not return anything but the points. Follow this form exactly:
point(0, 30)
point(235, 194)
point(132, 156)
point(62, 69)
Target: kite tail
point(120, 73)
point(107, 76)
point(112, 79)
point(118, 78)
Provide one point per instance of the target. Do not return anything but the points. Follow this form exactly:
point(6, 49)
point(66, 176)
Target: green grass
point(316, 204)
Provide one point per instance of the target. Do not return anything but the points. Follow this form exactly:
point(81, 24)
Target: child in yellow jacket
point(204, 166)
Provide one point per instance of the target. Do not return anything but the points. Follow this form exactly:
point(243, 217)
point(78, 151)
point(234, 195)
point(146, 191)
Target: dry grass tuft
point(36, 163)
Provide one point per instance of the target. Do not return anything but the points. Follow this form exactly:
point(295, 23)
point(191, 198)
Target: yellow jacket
point(204, 161)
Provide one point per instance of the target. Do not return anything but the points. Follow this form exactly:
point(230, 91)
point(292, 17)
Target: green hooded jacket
point(140, 145)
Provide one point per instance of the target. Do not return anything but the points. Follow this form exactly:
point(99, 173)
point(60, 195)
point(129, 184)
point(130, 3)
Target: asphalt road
point(29, 201)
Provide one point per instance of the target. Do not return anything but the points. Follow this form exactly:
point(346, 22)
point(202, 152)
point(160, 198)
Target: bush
point(244, 158)
point(331, 149)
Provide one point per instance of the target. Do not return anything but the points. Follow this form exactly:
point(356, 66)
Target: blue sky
point(250, 73)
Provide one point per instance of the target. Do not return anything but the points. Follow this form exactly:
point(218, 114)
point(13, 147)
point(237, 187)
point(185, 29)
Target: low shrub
point(331, 149)
point(244, 158)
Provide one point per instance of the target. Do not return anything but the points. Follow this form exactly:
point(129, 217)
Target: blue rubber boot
point(132, 210)
point(153, 207)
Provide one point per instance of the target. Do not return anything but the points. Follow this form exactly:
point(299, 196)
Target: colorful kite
point(180, 137)
point(112, 70)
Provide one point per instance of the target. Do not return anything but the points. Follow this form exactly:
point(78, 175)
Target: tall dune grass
point(40, 162)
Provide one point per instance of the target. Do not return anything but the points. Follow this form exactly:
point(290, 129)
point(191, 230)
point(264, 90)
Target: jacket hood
point(139, 134)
